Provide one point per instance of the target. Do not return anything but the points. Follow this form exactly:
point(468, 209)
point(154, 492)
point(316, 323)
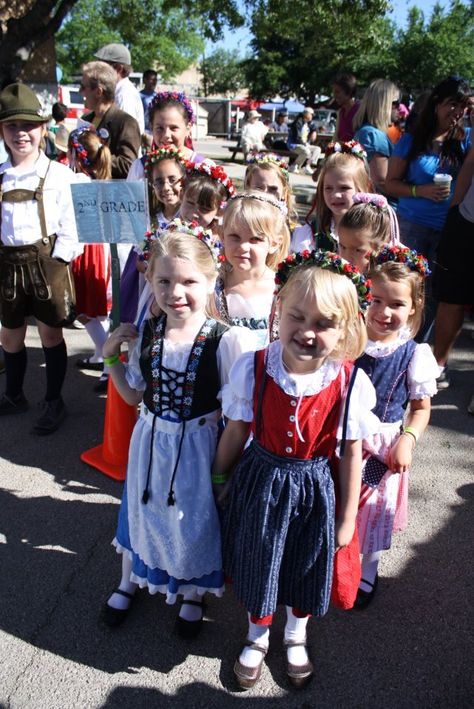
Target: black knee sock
point(56, 365)
point(15, 368)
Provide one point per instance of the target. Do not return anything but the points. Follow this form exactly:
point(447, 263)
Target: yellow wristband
point(413, 191)
point(412, 432)
point(109, 361)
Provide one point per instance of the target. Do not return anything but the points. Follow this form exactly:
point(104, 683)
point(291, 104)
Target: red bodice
point(318, 416)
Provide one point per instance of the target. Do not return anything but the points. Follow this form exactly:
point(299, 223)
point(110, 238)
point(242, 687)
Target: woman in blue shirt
point(370, 124)
point(438, 144)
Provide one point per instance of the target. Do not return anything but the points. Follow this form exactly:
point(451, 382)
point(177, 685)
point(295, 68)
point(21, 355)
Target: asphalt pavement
point(411, 648)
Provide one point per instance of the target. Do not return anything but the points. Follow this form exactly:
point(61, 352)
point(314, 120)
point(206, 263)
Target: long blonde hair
point(263, 215)
point(335, 297)
point(98, 156)
point(178, 244)
point(376, 105)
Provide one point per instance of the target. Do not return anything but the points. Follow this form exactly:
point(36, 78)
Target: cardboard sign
point(111, 211)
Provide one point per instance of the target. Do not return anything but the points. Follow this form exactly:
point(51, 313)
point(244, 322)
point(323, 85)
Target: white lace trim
point(171, 598)
point(383, 349)
point(299, 384)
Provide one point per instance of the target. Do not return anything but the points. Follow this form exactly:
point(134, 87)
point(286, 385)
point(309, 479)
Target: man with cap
point(98, 88)
point(38, 241)
point(299, 140)
point(253, 133)
point(127, 97)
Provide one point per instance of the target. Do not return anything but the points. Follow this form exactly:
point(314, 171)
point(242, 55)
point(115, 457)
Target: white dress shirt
point(128, 99)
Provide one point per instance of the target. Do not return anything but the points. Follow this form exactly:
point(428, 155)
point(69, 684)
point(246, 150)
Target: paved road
point(411, 648)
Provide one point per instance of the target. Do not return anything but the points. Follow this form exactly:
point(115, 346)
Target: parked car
point(324, 120)
point(72, 97)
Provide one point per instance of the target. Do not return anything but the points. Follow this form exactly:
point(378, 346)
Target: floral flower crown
point(178, 97)
point(330, 261)
point(215, 172)
point(402, 254)
point(79, 150)
point(191, 228)
point(263, 197)
point(269, 158)
point(351, 147)
point(155, 155)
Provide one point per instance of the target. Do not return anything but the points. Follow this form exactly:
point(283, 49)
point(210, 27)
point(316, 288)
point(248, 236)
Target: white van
point(72, 97)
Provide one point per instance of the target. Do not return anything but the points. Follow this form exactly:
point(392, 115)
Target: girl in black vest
point(168, 529)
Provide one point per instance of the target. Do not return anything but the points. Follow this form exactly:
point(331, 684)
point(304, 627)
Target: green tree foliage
point(299, 45)
point(222, 73)
point(162, 34)
point(430, 50)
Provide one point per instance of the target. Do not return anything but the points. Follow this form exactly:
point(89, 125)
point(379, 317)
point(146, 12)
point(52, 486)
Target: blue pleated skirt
point(278, 536)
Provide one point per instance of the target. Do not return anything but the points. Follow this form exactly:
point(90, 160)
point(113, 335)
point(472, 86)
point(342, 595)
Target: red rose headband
point(215, 172)
point(331, 262)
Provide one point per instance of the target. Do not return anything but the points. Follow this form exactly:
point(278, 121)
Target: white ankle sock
point(97, 331)
point(295, 629)
point(257, 634)
point(370, 563)
point(191, 612)
point(116, 600)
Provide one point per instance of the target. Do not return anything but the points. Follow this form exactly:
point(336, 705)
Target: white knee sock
point(97, 331)
point(370, 564)
point(116, 600)
point(295, 630)
point(188, 612)
point(257, 634)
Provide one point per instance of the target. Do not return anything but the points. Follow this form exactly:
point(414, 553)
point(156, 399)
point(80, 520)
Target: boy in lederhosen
point(38, 240)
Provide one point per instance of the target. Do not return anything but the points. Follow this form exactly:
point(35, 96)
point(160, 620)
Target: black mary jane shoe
point(86, 363)
point(115, 616)
point(364, 598)
point(189, 629)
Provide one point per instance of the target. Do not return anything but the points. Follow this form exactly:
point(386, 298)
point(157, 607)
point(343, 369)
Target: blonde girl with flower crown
point(404, 376)
point(168, 532)
point(282, 528)
point(268, 172)
point(255, 239)
point(344, 173)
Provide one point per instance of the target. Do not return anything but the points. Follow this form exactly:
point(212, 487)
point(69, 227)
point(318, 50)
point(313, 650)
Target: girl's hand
point(141, 266)
point(433, 191)
point(220, 491)
point(401, 454)
point(126, 332)
point(344, 533)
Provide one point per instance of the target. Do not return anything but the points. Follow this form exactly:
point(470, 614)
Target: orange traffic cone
point(112, 455)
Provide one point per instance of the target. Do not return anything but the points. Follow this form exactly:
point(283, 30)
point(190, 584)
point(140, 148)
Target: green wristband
point(412, 432)
point(413, 191)
point(219, 479)
point(109, 361)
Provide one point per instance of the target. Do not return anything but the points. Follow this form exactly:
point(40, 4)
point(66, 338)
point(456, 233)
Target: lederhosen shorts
point(31, 281)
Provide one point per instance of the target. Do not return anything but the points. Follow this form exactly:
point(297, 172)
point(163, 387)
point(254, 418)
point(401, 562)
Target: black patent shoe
point(189, 629)
point(364, 598)
point(115, 616)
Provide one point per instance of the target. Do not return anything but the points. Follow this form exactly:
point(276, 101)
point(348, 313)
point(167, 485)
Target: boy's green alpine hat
point(19, 102)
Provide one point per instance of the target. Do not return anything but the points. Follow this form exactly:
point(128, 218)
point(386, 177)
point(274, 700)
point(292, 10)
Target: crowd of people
point(282, 371)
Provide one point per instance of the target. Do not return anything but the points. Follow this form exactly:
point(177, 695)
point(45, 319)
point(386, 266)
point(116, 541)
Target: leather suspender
point(21, 195)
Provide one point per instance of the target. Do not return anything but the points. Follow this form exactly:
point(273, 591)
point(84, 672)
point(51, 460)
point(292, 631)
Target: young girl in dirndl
point(403, 374)
point(299, 398)
point(168, 530)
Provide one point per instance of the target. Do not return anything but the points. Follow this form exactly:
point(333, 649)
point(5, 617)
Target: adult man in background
point(148, 93)
point(127, 97)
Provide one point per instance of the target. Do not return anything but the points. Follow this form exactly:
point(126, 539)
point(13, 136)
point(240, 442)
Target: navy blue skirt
point(278, 540)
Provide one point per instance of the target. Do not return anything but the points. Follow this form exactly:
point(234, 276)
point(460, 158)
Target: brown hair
point(154, 203)
point(208, 193)
point(341, 161)
point(369, 217)
point(400, 273)
point(98, 155)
